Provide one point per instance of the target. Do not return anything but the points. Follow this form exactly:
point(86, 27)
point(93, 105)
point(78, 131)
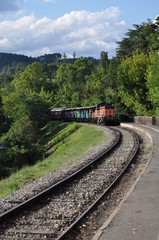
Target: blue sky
point(87, 27)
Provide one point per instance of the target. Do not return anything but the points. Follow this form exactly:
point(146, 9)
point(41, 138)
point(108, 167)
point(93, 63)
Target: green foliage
point(103, 63)
point(64, 133)
point(48, 58)
point(132, 84)
point(4, 123)
point(153, 82)
point(6, 76)
point(20, 143)
point(16, 60)
point(28, 92)
point(35, 107)
point(51, 129)
point(101, 85)
point(71, 81)
point(142, 38)
point(33, 78)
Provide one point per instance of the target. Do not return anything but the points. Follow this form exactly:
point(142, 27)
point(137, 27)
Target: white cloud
point(4, 42)
point(83, 32)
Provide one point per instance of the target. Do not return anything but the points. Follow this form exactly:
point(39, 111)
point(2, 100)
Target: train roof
point(57, 109)
point(82, 108)
point(72, 109)
point(79, 108)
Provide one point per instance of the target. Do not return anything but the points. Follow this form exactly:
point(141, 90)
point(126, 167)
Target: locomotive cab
point(105, 114)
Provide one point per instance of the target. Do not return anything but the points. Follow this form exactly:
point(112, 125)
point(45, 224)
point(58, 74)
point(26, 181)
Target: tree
point(20, 143)
point(142, 38)
point(74, 56)
point(153, 82)
point(132, 87)
point(34, 79)
point(102, 84)
point(71, 80)
point(35, 106)
point(4, 122)
point(64, 57)
point(103, 63)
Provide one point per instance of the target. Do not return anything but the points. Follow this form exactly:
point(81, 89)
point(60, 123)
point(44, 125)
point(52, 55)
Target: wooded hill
point(13, 61)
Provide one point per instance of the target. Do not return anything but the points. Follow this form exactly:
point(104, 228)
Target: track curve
point(84, 177)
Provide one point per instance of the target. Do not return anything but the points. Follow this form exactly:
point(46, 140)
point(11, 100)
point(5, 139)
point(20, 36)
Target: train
point(103, 114)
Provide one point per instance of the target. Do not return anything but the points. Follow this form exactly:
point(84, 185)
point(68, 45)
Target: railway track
point(54, 212)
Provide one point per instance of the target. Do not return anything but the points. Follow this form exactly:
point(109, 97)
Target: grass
point(69, 142)
point(149, 148)
point(52, 129)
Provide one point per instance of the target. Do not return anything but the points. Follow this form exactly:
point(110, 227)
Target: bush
point(21, 144)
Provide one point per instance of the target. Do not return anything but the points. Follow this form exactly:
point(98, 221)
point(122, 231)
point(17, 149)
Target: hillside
point(16, 60)
point(13, 60)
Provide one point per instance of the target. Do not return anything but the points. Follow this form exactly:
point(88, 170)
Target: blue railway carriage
point(69, 114)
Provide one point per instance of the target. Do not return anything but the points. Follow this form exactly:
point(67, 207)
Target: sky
point(84, 27)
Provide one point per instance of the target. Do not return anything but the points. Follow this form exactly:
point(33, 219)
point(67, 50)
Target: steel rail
point(74, 224)
point(29, 202)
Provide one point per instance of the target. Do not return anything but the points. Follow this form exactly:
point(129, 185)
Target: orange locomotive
point(105, 114)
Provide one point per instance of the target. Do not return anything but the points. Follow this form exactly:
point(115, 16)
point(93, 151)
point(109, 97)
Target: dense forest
point(13, 61)
point(30, 87)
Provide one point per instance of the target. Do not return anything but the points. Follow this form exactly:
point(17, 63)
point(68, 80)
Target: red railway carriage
point(56, 114)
